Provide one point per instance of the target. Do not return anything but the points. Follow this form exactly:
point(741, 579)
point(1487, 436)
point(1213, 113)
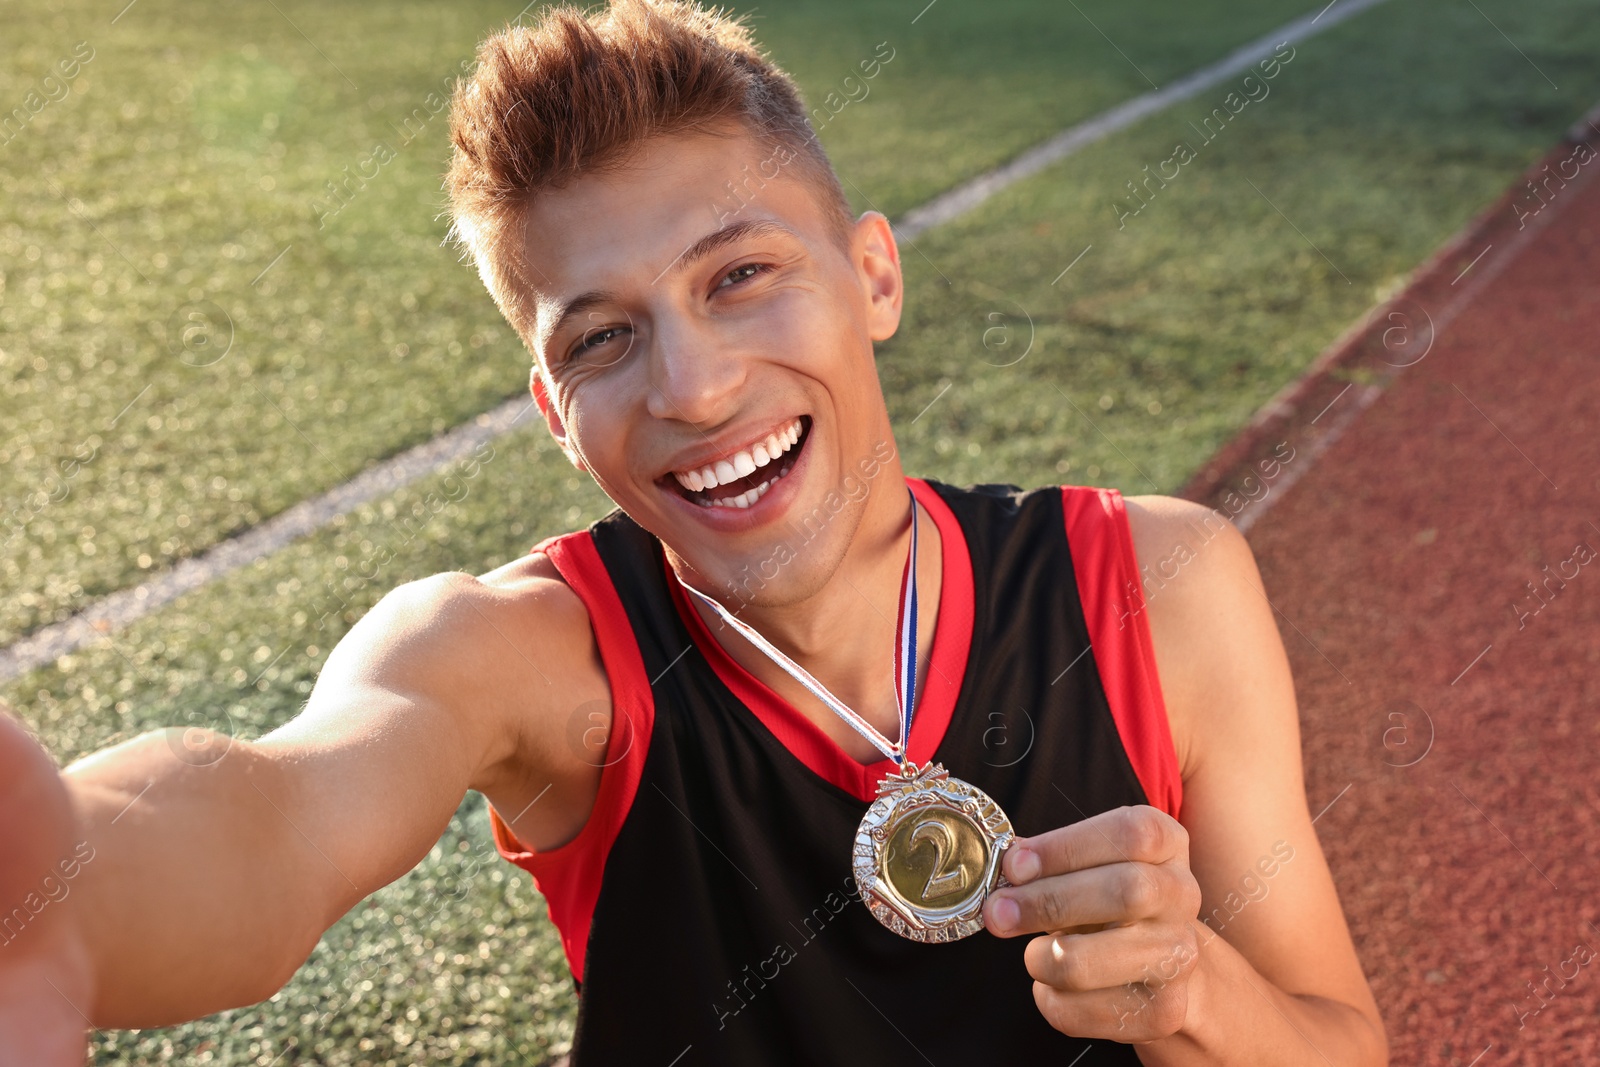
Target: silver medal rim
point(929, 925)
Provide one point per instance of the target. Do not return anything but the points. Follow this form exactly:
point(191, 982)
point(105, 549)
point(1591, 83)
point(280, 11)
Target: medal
point(927, 852)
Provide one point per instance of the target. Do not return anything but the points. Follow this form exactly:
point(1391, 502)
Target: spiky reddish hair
point(575, 93)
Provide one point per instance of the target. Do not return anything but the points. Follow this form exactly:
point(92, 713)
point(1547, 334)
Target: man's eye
point(595, 339)
point(741, 274)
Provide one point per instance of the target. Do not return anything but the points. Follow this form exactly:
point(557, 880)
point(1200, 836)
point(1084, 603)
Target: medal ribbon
point(905, 658)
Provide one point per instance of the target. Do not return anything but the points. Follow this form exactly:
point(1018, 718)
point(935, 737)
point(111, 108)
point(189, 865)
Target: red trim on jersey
point(569, 876)
point(936, 701)
point(1113, 605)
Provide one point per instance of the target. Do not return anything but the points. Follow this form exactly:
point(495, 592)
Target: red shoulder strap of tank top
point(1113, 606)
point(569, 876)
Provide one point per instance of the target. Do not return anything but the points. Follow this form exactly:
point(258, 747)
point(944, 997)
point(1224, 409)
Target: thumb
point(45, 974)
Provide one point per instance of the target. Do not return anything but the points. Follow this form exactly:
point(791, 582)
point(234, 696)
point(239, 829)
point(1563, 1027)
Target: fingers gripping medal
point(927, 852)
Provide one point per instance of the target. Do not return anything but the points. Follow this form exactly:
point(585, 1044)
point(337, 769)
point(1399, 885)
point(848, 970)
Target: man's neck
point(844, 634)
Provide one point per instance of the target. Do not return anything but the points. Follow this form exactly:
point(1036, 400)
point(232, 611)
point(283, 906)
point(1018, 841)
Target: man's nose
point(695, 376)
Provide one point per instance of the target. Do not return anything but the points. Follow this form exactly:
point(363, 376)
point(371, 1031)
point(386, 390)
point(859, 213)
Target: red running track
point(1450, 717)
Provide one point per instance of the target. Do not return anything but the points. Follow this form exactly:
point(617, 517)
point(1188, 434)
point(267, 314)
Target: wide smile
point(739, 480)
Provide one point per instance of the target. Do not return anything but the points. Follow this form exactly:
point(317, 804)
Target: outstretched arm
point(214, 865)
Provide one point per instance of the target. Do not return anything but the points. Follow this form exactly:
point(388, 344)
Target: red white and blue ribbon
point(905, 631)
point(905, 658)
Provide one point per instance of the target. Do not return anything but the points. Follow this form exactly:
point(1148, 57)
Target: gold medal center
point(936, 857)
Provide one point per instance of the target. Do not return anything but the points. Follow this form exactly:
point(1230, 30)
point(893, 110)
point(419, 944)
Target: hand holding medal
point(1117, 904)
point(927, 852)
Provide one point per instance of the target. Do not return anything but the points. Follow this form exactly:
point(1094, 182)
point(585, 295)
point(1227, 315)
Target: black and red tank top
point(707, 907)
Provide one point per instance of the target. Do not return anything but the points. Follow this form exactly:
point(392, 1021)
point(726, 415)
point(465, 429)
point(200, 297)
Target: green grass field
point(187, 154)
point(1380, 139)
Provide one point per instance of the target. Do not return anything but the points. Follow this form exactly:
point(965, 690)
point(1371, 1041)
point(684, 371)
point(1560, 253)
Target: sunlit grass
point(195, 333)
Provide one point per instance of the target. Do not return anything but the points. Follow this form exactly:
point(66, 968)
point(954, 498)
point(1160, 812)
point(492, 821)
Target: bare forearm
point(1236, 1016)
point(193, 892)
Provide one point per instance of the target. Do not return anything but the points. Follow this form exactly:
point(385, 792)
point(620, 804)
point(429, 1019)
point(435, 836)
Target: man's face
point(699, 323)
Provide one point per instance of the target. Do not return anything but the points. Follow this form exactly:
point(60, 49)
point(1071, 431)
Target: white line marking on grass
point(963, 198)
point(123, 607)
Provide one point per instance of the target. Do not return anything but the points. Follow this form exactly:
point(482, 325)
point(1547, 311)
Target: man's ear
point(877, 261)
point(552, 418)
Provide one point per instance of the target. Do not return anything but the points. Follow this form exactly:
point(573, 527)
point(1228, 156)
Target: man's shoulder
point(1157, 522)
point(505, 627)
point(1200, 586)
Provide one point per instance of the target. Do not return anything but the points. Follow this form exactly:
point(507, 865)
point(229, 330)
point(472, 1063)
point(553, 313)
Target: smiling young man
point(688, 807)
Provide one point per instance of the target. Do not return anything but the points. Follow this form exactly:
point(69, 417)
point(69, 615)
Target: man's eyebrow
point(700, 249)
point(577, 306)
point(727, 235)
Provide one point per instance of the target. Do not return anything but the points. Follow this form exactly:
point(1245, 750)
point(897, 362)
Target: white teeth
point(745, 499)
point(742, 465)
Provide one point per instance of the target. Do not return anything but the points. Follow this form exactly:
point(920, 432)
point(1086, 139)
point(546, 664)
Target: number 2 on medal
point(943, 840)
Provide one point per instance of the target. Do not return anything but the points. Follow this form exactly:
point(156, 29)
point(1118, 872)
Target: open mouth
point(745, 477)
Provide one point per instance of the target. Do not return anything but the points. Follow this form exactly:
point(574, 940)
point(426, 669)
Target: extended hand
point(45, 980)
point(1114, 896)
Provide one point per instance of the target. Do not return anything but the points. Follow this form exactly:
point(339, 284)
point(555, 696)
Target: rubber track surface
point(1462, 713)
